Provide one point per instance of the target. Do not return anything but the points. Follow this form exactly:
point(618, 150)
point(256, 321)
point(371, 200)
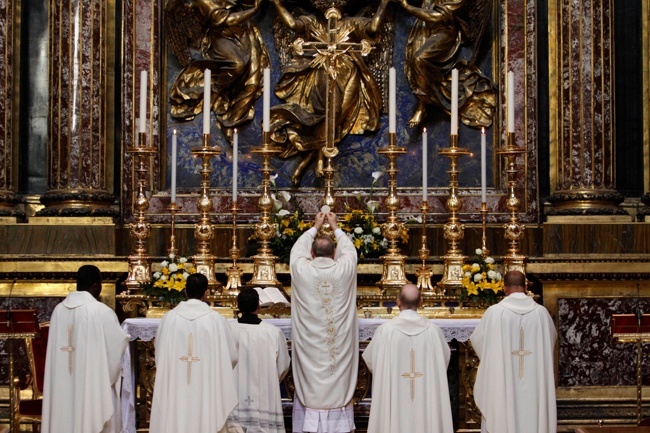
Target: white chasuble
point(515, 385)
point(195, 388)
point(408, 358)
point(325, 337)
point(263, 362)
point(82, 368)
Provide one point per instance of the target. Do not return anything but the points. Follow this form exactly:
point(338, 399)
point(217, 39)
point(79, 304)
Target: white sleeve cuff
point(313, 232)
point(338, 233)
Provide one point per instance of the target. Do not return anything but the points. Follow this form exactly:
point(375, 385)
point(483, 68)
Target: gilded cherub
point(432, 51)
point(218, 35)
point(328, 48)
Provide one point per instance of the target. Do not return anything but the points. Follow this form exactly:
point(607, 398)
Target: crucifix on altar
point(326, 55)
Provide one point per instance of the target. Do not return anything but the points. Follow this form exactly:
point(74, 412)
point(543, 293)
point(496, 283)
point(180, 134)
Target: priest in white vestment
point(263, 363)
point(325, 335)
point(194, 390)
point(82, 365)
point(515, 385)
point(408, 357)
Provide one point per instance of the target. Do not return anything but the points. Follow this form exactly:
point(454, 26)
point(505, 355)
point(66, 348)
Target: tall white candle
point(207, 104)
point(235, 143)
point(511, 102)
point(266, 112)
point(392, 101)
point(483, 167)
point(142, 127)
point(424, 165)
point(174, 162)
point(454, 101)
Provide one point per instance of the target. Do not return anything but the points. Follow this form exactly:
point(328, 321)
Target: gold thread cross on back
point(69, 348)
point(189, 358)
point(521, 352)
point(412, 375)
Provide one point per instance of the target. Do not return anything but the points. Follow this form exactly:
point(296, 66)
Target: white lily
point(157, 275)
point(272, 179)
point(283, 212)
point(489, 260)
point(285, 195)
point(376, 175)
point(185, 275)
point(164, 263)
point(372, 205)
point(376, 230)
point(358, 230)
point(478, 277)
point(173, 267)
point(183, 260)
point(478, 251)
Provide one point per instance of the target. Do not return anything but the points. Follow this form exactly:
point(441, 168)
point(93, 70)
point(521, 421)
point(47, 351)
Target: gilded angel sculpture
point(433, 50)
point(218, 35)
point(325, 50)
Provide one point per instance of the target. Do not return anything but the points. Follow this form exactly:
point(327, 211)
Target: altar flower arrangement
point(167, 284)
point(482, 283)
point(364, 231)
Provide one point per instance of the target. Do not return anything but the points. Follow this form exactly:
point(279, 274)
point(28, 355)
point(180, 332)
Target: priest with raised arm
point(263, 363)
point(515, 385)
point(408, 357)
point(325, 335)
point(195, 388)
point(82, 366)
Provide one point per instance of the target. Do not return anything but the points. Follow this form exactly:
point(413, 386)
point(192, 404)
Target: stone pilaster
point(77, 147)
point(583, 151)
point(9, 60)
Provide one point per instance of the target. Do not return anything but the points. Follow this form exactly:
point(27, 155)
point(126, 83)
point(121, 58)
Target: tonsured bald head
point(409, 297)
point(323, 246)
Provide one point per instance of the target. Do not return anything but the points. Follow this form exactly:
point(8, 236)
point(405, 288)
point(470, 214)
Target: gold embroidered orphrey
point(412, 375)
point(326, 290)
point(69, 348)
point(521, 352)
point(189, 358)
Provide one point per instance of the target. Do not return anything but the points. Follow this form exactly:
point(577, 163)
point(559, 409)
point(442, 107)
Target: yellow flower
point(165, 270)
point(358, 243)
point(472, 289)
point(288, 232)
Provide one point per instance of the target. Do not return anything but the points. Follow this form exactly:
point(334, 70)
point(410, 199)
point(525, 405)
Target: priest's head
point(89, 279)
point(248, 301)
point(409, 298)
point(323, 246)
point(514, 281)
point(197, 285)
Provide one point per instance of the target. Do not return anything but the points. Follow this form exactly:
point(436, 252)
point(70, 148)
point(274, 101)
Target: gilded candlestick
point(234, 272)
point(513, 229)
point(454, 231)
point(393, 275)
point(264, 261)
point(424, 273)
point(204, 230)
point(140, 230)
point(172, 208)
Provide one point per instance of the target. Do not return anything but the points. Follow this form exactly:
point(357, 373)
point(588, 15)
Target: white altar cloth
point(145, 330)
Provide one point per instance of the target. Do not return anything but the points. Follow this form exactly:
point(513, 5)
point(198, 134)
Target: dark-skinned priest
point(195, 388)
point(325, 333)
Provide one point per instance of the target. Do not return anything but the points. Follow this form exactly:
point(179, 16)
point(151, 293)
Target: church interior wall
point(584, 266)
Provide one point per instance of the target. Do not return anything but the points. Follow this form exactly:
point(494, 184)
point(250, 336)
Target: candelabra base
point(205, 265)
point(233, 285)
point(453, 273)
point(139, 272)
point(393, 274)
point(514, 262)
point(424, 280)
point(264, 271)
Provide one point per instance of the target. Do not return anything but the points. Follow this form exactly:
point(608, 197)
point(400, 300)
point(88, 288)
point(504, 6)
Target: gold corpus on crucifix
point(393, 274)
point(69, 348)
point(454, 231)
point(423, 273)
point(521, 352)
point(204, 230)
point(264, 261)
point(140, 230)
point(325, 56)
point(513, 229)
point(412, 375)
point(190, 358)
point(234, 272)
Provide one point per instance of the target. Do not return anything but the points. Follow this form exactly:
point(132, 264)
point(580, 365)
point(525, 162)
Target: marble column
point(9, 60)
point(583, 151)
point(79, 85)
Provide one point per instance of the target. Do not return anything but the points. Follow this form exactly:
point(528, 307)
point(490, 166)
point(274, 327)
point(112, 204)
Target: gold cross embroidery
point(69, 348)
point(412, 375)
point(521, 352)
point(189, 358)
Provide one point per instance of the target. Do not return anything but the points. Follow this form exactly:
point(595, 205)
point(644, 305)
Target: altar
point(138, 368)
